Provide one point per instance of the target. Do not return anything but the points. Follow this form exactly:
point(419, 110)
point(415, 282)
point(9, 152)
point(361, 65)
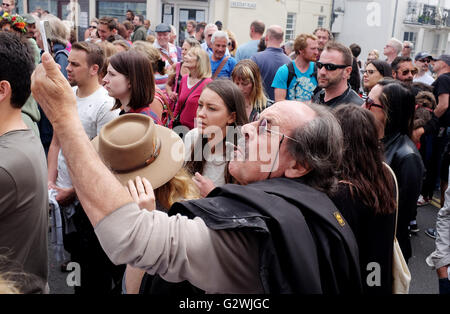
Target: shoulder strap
point(221, 65)
point(166, 56)
point(165, 103)
point(177, 74)
point(64, 51)
point(184, 103)
point(396, 195)
point(291, 73)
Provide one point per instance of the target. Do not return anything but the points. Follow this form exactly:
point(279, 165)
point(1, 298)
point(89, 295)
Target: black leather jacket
point(404, 158)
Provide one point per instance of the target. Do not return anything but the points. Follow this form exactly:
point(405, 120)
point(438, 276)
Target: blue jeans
point(444, 286)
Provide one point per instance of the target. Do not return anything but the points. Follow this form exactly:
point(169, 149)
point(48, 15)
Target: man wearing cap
point(94, 109)
point(31, 29)
point(422, 62)
point(140, 32)
point(168, 51)
point(254, 240)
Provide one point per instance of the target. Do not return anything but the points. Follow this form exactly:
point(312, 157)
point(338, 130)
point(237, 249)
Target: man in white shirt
point(422, 62)
point(94, 109)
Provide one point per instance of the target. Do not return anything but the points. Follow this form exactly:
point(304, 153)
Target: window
point(290, 26)
point(320, 21)
point(437, 39)
point(412, 37)
point(118, 9)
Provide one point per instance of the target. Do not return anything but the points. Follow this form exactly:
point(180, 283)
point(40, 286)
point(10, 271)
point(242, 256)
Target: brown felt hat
point(133, 145)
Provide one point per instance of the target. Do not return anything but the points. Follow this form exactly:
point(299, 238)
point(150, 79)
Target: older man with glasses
point(422, 62)
point(333, 71)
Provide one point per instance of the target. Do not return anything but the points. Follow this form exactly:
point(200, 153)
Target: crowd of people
point(213, 167)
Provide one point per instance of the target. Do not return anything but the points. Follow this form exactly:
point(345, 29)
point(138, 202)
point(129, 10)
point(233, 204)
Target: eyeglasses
point(330, 66)
point(371, 103)
point(406, 72)
point(369, 72)
point(407, 47)
point(425, 60)
point(263, 127)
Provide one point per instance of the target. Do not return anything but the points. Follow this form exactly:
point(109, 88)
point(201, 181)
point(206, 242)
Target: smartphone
point(45, 33)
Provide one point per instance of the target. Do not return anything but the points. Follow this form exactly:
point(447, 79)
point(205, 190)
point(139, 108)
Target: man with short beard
point(403, 69)
point(333, 71)
point(94, 109)
point(296, 80)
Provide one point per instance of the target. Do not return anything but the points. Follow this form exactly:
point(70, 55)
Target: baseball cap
point(162, 28)
point(423, 55)
point(445, 58)
point(29, 19)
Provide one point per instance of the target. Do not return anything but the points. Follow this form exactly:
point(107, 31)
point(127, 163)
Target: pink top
point(190, 108)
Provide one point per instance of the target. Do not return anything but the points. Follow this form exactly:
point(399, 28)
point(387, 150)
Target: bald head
point(290, 115)
point(274, 36)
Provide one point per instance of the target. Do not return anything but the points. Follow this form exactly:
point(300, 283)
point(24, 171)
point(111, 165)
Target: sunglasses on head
point(371, 103)
point(406, 72)
point(330, 66)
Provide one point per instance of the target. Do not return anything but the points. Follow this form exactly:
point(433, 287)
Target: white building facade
point(296, 16)
point(426, 23)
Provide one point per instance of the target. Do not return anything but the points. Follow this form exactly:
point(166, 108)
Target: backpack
point(291, 75)
point(167, 114)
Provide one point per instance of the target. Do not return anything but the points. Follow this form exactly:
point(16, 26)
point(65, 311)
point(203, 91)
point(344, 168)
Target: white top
point(426, 78)
point(94, 112)
point(216, 162)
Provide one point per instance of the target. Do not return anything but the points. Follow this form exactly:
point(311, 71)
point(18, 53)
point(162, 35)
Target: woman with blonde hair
point(191, 86)
point(247, 77)
point(177, 70)
point(160, 102)
point(232, 43)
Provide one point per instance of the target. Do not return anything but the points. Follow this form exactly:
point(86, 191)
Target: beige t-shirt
point(178, 248)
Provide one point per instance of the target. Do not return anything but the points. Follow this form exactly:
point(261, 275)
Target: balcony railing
point(427, 15)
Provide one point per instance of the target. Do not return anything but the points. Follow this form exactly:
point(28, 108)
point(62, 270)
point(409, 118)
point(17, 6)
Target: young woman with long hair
point(220, 105)
point(247, 77)
point(393, 106)
point(366, 193)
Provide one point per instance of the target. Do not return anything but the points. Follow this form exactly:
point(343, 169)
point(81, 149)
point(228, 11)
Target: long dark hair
point(382, 66)
point(399, 103)
point(235, 102)
point(362, 162)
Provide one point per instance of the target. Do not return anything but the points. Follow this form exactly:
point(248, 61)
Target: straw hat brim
point(169, 161)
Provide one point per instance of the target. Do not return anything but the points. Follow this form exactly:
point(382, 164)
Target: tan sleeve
point(178, 248)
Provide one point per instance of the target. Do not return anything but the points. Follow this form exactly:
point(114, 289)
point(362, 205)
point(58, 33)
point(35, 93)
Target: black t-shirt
point(442, 86)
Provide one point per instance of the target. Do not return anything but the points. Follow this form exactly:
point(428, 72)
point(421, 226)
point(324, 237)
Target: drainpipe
point(395, 18)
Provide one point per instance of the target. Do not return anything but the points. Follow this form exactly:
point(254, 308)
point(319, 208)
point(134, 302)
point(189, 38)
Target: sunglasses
point(92, 26)
point(406, 72)
point(330, 66)
point(6, 4)
point(369, 72)
point(371, 103)
point(425, 60)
